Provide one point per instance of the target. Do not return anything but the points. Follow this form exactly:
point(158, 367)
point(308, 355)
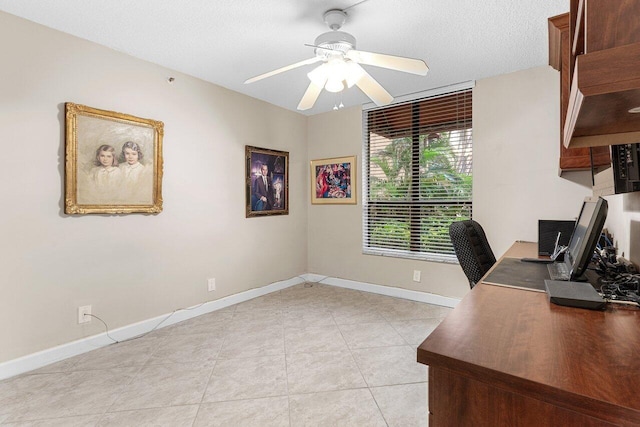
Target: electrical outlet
point(211, 284)
point(416, 275)
point(85, 309)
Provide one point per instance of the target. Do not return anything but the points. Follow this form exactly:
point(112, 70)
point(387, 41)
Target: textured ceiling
point(227, 41)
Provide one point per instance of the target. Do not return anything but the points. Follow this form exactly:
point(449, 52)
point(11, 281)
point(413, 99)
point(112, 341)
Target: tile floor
point(309, 355)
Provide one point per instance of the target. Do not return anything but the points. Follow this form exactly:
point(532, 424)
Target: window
point(418, 176)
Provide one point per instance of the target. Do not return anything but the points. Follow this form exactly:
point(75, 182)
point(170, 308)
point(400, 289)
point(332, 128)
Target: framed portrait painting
point(267, 182)
point(113, 162)
point(333, 181)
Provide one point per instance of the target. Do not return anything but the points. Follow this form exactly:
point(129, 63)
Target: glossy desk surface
point(582, 360)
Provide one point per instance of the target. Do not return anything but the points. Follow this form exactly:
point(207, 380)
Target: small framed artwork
point(333, 181)
point(267, 182)
point(113, 162)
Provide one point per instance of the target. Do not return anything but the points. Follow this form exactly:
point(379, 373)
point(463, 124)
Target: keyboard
point(559, 271)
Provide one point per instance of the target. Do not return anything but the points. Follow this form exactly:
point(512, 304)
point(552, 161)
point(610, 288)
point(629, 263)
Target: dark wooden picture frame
point(266, 182)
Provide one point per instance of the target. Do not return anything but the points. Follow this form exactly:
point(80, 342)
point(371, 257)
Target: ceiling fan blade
point(310, 96)
point(373, 89)
point(398, 63)
point(283, 69)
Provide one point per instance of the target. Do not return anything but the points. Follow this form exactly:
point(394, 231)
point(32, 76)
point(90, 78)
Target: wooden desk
point(508, 357)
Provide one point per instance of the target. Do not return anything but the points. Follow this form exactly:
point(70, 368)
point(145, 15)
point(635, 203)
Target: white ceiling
point(227, 41)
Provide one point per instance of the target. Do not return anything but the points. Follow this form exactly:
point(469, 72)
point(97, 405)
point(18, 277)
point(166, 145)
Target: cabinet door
point(570, 158)
point(609, 24)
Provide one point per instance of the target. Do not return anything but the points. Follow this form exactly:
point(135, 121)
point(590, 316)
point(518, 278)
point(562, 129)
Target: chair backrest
point(472, 249)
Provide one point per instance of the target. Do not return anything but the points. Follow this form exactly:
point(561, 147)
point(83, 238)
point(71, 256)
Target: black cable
point(144, 334)
point(166, 318)
point(619, 286)
point(105, 326)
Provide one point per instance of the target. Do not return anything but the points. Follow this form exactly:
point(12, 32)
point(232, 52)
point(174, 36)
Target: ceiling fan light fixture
point(336, 69)
point(354, 73)
point(334, 85)
point(319, 75)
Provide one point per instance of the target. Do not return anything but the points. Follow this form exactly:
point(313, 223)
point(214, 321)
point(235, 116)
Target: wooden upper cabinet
point(604, 73)
point(560, 47)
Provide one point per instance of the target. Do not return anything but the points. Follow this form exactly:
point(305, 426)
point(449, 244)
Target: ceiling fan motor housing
point(334, 42)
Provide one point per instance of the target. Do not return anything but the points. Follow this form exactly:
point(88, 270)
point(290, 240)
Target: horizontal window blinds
point(418, 163)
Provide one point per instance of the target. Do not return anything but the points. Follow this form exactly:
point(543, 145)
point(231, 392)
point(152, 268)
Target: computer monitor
point(585, 235)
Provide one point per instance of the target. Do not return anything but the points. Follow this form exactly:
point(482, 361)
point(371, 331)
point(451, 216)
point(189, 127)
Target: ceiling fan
point(341, 67)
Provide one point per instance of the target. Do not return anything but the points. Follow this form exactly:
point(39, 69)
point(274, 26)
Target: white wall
point(516, 148)
point(623, 221)
point(516, 182)
point(130, 267)
point(516, 121)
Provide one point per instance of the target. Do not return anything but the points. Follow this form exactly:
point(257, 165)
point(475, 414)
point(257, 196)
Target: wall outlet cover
point(82, 310)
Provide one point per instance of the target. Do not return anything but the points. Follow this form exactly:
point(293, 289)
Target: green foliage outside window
point(443, 193)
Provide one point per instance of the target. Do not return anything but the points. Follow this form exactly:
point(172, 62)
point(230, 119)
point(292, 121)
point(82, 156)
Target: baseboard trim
point(383, 290)
point(55, 354)
point(64, 351)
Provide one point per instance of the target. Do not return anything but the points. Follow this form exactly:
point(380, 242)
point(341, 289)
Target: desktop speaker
point(548, 232)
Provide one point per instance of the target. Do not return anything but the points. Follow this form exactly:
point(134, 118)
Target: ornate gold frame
point(352, 181)
point(114, 130)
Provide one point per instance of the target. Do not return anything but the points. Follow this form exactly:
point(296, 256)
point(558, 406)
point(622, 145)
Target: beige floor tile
point(14, 391)
point(62, 366)
point(360, 313)
point(237, 379)
point(347, 292)
point(399, 310)
point(389, 365)
point(269, 412)
point(310, 303)
point(335, 408)
point(314, 338)
point(271, 301)
point(247, 320)
point(60, 395)
point(403, 405)
point(252, 343)
point(366, 335)
point(80, 421)
point(307, 316)
point(164, 385)
point(229, 367)
point(313, 372)
point(416, 331)
point(118, 355)
point(174, 416)
point(187, 349)
point(377, 299)
point(210, 323)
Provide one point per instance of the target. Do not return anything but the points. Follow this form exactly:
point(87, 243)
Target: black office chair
point(472, 249)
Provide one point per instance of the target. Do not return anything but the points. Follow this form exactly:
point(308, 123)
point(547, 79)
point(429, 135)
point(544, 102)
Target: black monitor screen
point(586, 235)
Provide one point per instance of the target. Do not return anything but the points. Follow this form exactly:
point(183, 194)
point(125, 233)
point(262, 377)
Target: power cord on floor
point(115, 341)
point(145, 333)
point(311, 283)
point(106, 327)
